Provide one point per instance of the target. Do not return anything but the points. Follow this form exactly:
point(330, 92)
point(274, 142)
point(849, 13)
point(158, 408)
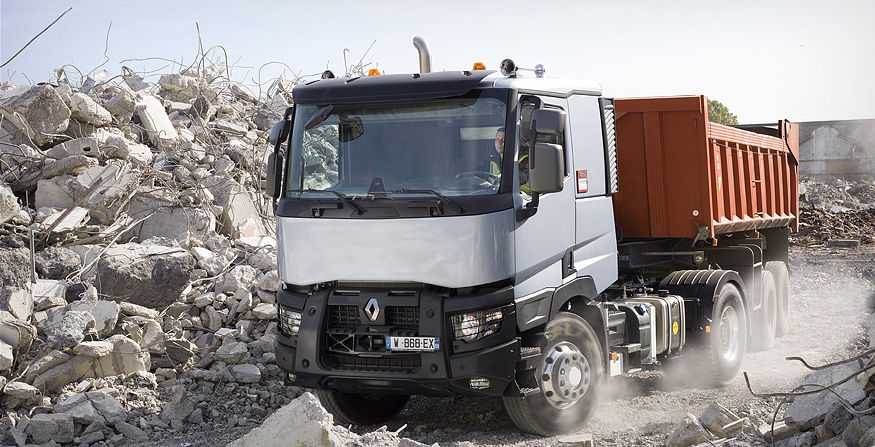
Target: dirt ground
point(832, 292)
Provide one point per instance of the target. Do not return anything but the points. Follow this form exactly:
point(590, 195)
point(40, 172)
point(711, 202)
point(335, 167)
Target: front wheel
point(570, 375)
point(361, 409)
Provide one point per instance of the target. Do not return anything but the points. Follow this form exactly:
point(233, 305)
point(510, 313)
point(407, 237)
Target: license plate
point(412, 343)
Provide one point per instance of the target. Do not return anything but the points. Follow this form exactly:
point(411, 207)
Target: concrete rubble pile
point(837, 409)
point(149, 310)
point(836, 210)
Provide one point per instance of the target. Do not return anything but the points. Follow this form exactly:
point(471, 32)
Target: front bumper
point(324, 355)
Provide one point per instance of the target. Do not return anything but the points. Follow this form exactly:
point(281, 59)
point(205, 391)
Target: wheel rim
point(567, 375)
point(729, 333)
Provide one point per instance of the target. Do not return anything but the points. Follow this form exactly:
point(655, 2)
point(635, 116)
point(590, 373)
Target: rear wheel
point(781, 275)
point(766, 324)
point(361, 409)
point(719, 354)
point(570, 376)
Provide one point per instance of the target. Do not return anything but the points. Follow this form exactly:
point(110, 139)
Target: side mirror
point(280, 131)
point(547, 168)
point(274, 174)
point(548, 121)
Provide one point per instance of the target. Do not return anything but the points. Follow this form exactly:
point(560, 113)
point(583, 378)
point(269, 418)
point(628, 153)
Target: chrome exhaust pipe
point(424, 54)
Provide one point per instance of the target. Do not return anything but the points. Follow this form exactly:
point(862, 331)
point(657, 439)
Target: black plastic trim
point(397, 87)
point(392, 208)
point(583, 286)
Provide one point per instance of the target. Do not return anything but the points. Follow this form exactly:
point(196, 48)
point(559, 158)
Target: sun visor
point(388, 87)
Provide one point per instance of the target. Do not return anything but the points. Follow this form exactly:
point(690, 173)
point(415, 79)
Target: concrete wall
point(843, 149)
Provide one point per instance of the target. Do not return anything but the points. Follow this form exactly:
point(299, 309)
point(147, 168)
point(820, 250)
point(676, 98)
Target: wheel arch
point(578, 297)
point(704, 286)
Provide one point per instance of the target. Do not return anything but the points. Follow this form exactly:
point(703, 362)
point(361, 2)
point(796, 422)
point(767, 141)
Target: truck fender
point(702, 286)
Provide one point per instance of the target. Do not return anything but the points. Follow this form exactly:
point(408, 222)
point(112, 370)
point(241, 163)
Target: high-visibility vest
point(524, 187)
point(494, 167)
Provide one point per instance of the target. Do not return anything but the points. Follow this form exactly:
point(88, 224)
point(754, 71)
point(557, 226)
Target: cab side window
point(525, 145)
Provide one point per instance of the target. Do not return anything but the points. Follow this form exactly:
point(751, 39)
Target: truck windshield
point(445, 147)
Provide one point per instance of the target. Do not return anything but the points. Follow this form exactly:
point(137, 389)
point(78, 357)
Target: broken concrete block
point(88, 146)
point(105, 314)
point(85, 109)
point(183, 88)
point(92, 407)
point(38, 111)
point(214, 318)
point(58, 192)
point(242, 93)
point(123, 104)
point(688, 433)
point(51, 427)
point(17, 301)
point(717, 416)
point(232, 353)
point(837, 419)
point(270, 282)
point(809, 410)
point(119, 147)
point(180, 350)
point(72, 165)
point(265, 311)
point(6, 357)
point(243, 374)
point(153, 337)
point(154, 281)
point(240, 277)
point(73, 370)
point(179, 407)
point(94, 349)
point(131, 432)
point(868, 438)
point(169, 220)
point(57, 262)
point(158, 126)
point(22, 392)
point(9, 207)
point(127, 357)
point(16, 333)
point(49, 293)
point(70, 331)
point(137, 310)
point(240, 217)
point(304, 420)
point(16, 266)
point(857, 429)
point(107, 200)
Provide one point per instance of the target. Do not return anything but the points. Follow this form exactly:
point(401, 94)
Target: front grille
point(405, 363)
point(343, 316)
point(405, 317)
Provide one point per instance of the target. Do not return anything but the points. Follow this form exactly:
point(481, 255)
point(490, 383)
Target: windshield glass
point(446, 146)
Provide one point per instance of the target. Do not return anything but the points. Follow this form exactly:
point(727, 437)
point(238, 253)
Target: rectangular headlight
point(473, 326)
point(289, 320)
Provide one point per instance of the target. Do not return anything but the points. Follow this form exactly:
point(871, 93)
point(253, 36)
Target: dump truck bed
point(681, 175)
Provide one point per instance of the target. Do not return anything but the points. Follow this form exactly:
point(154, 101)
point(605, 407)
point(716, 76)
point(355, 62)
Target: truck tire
point(570, 376)
point(717, 357)
point(766, 324)
point(782, 285)
point(361, 409)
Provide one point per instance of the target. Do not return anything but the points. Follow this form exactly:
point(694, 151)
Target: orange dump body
point(679, 173)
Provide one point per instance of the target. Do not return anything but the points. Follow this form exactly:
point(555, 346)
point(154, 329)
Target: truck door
point(543, 239)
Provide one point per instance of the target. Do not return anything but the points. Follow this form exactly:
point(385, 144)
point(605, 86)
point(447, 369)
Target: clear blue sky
point(803, 60)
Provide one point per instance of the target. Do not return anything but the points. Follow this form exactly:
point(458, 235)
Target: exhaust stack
point(424, 54)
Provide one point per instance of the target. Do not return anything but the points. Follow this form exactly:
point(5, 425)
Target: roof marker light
point(479, 66)
point(539, 70)
point(328, 74)
point(374, 72)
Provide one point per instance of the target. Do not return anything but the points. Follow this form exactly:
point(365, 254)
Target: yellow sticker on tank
point(674, 328)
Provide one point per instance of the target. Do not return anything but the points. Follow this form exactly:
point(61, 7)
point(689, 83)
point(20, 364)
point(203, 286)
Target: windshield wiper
point(443, 199)
point(340, 196)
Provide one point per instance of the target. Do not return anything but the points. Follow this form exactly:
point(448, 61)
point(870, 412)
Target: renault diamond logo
point(372, 309)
